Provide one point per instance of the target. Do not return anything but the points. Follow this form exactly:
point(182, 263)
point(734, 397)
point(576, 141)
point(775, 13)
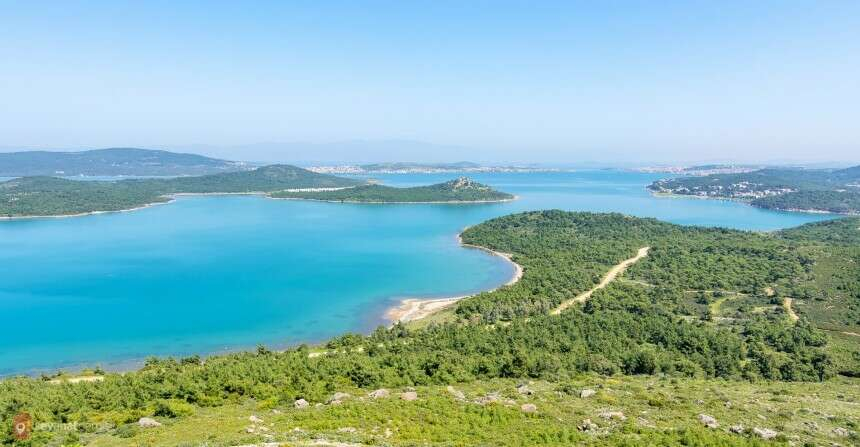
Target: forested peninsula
point(461, 190)
point(812, 190)
point(51, 196)
point(716, 337)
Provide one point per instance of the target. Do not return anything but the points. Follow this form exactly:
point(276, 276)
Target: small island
point(461, 190)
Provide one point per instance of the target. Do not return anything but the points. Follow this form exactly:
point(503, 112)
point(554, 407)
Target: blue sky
point(511, 81)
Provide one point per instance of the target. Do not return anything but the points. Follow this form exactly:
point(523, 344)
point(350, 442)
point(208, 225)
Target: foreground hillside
point(716, 337)
point(459, 190)
point(818, 190)
point(50, 196)
point(109, 162)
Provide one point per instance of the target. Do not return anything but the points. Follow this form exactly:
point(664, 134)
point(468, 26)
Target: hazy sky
point(516, 81)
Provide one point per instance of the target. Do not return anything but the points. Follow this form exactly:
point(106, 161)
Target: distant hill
point(51, 196)
point(796, 189)
point(114, 161)
point(405, 166)
point(461, 190)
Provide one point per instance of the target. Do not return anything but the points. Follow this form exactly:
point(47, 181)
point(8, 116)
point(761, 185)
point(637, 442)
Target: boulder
point(337, 398)
point(255, 420)
point(586, 393)
point(738, 429)
point(409, 396)
point(148, 423)
point(765, 433)
point(528, 408)
point(525, 390)
point(841, 432)
point(610, 415)
point(378, 394)
point(587, 425)
point(708, 421)
point(301, 403)
point(456, 393)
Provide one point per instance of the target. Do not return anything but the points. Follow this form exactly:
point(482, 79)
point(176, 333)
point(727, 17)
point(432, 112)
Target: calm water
point(209, 274)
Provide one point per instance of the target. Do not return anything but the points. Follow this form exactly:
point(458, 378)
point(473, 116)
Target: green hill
point(828, 190)
point(699, 327)
point(454, 191)
point(108, 162)
point(49, 196)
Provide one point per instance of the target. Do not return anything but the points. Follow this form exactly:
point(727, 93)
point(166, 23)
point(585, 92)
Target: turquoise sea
point(212, 274)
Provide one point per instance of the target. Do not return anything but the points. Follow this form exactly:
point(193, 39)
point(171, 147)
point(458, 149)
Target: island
point(621, 331)
point(51, 196)
point(787, 189)
point(461, 190)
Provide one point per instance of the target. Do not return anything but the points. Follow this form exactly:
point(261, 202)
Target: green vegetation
point(695, 327)
point(115, 161)
point(459, 190)
point(836, 191)
point(842, 202)
point(49, 196)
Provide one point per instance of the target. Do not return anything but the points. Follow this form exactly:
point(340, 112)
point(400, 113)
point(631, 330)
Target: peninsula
point(461, 190)
point(787, 189)
point(672, 314)
point(51, 196)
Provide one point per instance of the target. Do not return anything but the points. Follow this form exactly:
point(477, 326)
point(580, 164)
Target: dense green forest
point(842, 202)
point(836, 191)
point(49, 196)
point(459, 190)
point(704, 304)
point(111, 162)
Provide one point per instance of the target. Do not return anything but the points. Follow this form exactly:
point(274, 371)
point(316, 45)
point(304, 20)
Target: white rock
point(708, 421)
point(528, 408)
point(765, 433)
point(609, 415)
point(254, 419)
point(301, 403)
point(409, 396)
point(148, 423)
point(378, 394)
point(456, 393)
point(841, 432)
point(736, 429)
point(525, 390)
point(337, 398)
point(588, 392)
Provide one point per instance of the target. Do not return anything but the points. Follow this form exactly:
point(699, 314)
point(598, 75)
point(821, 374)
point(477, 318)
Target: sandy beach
point(412, 309)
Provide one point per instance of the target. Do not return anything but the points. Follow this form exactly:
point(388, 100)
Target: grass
point(659, 411)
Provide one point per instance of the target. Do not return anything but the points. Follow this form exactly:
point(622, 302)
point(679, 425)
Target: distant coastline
point(669, 195)
point(412, 309)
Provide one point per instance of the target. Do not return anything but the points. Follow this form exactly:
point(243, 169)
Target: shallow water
point(212, 274)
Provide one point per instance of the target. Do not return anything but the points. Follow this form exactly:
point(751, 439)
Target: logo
point(22, 425)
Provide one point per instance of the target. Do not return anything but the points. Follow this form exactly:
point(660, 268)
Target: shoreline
point(413, 309)
point(669, 195)
point(172, 197)
point(367, 202)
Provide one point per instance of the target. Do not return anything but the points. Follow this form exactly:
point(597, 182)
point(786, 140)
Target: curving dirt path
point(786, 303)
point(613, 273)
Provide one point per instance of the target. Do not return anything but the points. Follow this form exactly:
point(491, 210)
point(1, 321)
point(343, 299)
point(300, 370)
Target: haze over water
point(208, 274)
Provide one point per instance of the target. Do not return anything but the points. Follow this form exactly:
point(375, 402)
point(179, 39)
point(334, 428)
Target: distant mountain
point(114, 161)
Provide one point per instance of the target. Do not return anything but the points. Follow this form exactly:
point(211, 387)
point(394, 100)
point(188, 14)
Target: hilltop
point(461, 190)
point(816, 190)
point(111, 162)
point(50, 196)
